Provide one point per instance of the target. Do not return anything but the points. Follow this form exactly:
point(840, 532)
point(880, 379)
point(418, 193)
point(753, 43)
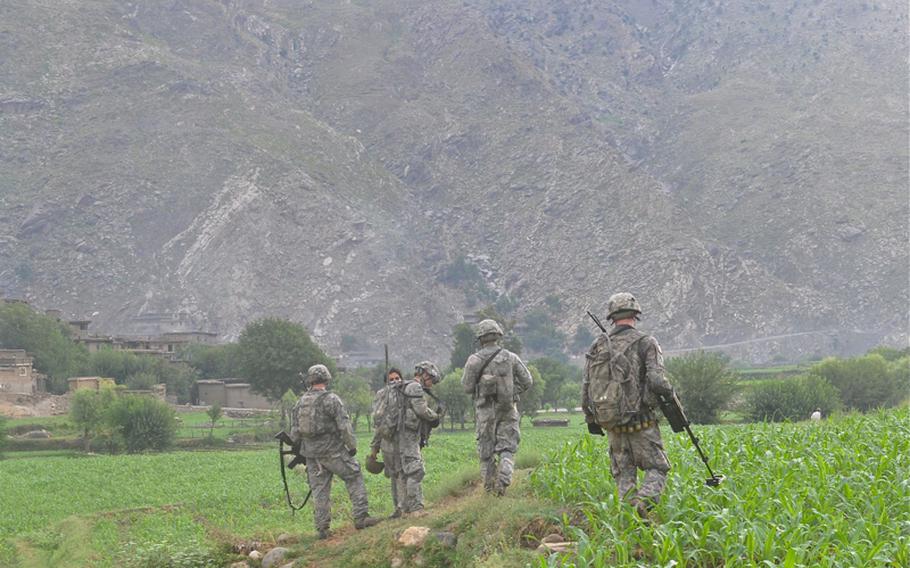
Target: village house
point(229, 393)
point(17, 375)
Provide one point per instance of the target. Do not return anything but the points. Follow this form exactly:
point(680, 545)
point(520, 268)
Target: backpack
point(387, 413)
point(498, 386)
point(615, 392)
point(310, 421)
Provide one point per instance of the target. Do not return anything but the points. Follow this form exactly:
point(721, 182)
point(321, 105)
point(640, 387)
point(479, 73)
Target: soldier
point(385, 421)
point(401, 442)
point(322, 426)
point(495, 377)
point(628, 415)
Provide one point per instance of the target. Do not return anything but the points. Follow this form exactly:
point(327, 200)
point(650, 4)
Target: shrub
point(866, 382)
point(705, 382)
point(792, 399)
point(144, 423)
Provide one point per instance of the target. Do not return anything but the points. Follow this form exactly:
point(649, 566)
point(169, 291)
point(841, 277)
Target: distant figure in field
point(817, 415)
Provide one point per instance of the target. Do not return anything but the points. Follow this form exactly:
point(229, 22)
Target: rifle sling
point(482, 369)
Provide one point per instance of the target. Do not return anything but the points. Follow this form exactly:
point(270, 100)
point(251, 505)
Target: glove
point(594, 428)
point(352, 452)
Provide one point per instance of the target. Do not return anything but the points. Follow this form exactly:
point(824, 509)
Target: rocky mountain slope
point(743, 169)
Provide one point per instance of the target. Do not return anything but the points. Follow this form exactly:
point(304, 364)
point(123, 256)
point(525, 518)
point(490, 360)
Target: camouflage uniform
point(401, 454)
point(642, 449)
point(329, 454)
point(391, 459)
point(496, 424)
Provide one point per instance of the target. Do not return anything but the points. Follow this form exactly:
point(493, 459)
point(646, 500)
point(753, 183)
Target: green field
point(833, 494)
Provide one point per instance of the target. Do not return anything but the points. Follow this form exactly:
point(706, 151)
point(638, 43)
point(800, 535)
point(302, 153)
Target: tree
point(272, 353)
point(866, 382)
point(792, 398)
point(355, 392)
point(705, 383)
point(214, 414)
point(141, 381)
point(88, 411)
point(44, 338)
point(541, 335)
point(532, 399)
point(464, 345)
point(144, 423)
point(212, 361)
point(286, 407)
point(582, 339)
point(458, 403)
point(555, 373)
point(569, 395)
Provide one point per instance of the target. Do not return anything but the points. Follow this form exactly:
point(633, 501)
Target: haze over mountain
point(378, 169)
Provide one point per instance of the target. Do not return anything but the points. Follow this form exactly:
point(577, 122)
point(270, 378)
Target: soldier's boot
point(500, 489)
point(416, 513)
point(396, 514)
point(366, 522)
point(322, 534)
point(642, 507)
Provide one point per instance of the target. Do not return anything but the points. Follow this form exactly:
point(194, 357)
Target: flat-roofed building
point(17, 375)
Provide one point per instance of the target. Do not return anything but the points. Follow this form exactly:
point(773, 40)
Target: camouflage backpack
point(310, 421)
point(614, 390)
point(387, 414)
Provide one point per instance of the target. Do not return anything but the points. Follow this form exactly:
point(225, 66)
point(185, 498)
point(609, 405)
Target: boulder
point(414, 536)
point(447, 539)
point(274, 557)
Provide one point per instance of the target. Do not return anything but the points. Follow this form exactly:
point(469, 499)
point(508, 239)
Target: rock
point(274, 556)
point(396, 562)
point(240, 564)
point(37, 434)
point(414, 536)
point(255, 555)
point(447, 539)
point(552, 537)
point(285, 538)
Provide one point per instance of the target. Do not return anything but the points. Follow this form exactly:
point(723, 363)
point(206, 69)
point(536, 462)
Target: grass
point(830, 494)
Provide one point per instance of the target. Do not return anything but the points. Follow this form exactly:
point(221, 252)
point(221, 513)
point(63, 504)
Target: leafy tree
point(582, 339)
point(542, 336)
point(273, 352)
point(457, 402)
point(214, 414)
point(865, 382)
point(464, 345)
point(144, 423)
point(569, 395)
point(705, 382)
point(532, 399)
point(792, 398)
point(212, 361)
point(286, 407)
point(45, 339)
point(179, 378)
point(119, 365)
point(88, 411)
point(355, 392)
point(890, 353)
point(555, 374)
point(142, 381)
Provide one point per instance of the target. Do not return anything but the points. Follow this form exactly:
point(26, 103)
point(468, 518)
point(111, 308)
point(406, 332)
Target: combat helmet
point(430, 368)
point(488, 326)
point(622, 302)
point(318, 374)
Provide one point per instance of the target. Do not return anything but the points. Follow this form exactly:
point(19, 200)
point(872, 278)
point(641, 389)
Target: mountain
point(377, 169)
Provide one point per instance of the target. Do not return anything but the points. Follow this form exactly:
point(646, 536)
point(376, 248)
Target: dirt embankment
point(33, 405)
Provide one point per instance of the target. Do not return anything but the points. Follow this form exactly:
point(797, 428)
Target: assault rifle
point(296, 459)
point(673, 411)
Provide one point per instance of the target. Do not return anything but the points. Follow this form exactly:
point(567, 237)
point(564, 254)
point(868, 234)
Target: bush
point(705, 383)
point(866, 382)
point(792, 399)
point(144, 423)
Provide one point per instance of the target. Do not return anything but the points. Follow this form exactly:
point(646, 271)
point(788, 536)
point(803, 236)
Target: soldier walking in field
point(495, 377)
point(323, 428)
point(624, 372)
point(403, 419)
